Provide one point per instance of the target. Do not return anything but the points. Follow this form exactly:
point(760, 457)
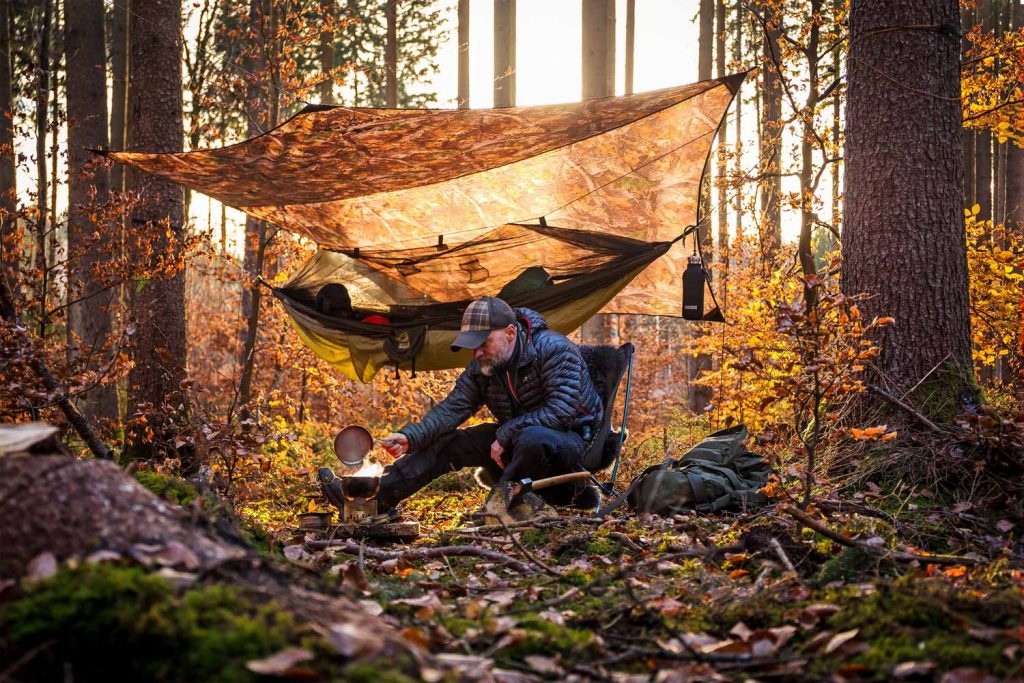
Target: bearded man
point(538, 389)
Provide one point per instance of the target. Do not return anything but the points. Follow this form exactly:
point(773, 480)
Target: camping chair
point(607, 366)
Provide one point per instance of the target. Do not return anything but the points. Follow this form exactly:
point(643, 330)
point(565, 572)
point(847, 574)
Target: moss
point(942, 396)
point(167, 487)
point(360, 672)
point(536, 537)
point(97, 617)
point(544, 638)
point(849, 565)
point(921, 620)
point(602, 545)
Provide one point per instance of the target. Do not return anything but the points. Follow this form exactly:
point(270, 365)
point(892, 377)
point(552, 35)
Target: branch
point(425, 553)
point(895, 401)
point(812, 523)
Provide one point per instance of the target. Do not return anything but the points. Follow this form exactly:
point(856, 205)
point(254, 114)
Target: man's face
point(496, 352)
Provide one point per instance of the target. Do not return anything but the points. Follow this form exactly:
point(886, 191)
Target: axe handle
point(560, 479)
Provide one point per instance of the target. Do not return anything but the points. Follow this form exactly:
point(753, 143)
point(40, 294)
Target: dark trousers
point(538, 452)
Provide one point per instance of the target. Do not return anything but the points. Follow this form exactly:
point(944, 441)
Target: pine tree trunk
point(89, 244)
point(463, 100)
point(630, 45)
point(805, 249)
point(723, 191)
point(155, 125)
point(504, 53)
point(119, 86)
point(1015, 154)
point(598, 59)
point(771, 140)
point(983, 139)
point(391, 55)
point(9, 253)
point(903, 242)
point(967, 135)
point(327, 53)
point(42, 184)
point(741, 13)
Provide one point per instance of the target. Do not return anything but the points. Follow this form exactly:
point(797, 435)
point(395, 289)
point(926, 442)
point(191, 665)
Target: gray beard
point(487, 369)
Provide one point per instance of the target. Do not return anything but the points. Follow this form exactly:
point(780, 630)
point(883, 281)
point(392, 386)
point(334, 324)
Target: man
point(538, 389)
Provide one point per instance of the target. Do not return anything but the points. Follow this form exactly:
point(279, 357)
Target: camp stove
point(360, 498)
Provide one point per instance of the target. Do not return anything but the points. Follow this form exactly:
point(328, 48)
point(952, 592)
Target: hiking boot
point(587, 498)
point(330, 484)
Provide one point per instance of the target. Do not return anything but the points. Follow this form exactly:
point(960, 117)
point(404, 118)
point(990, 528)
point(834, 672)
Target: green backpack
point(717, 473)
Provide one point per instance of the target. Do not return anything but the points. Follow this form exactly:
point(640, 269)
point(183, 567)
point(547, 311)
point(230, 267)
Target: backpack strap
point(621, 498)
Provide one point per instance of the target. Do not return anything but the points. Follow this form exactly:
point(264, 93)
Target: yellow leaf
point(311, 507)
point(976, 209)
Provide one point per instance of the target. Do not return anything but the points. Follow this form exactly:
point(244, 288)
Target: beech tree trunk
point(983, 138)
point(155, 125)
point(89, 244)
point(463, 101)
point(42, 184)
point(119, 86)
point(903, 241)
point(504, 53)
point(630, 45)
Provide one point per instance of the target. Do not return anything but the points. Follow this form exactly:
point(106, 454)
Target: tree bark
point(967, 19)
point(630, 45)
point(327, 52)
point(983, 138)
point(805, 249)
point(9, 252)
point(119, 87)
point(723, 191)
point(155, 125)
point(598, 73)
point(504, 53)
point(903, 239)
point(42, 185)
point(738, 134)
point(463, 101)
point(89, 244)
point(1015, 153)
point(391, 55)
point(771, 140)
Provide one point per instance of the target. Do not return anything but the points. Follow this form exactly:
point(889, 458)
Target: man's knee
point(533, 439)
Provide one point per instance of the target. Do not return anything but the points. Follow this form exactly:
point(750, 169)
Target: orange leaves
point(879, 433)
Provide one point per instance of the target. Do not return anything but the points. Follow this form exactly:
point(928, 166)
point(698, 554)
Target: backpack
point(717, 473)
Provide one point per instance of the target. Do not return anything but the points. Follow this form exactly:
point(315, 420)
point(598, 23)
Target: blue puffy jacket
point(550, 380)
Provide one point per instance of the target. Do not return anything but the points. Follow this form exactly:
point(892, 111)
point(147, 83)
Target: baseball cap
point(481, 317)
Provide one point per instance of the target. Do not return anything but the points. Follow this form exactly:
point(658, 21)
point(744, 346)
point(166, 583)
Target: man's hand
point(396, 444)
point(497, 450)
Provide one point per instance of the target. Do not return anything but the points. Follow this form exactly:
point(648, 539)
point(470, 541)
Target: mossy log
point(75, 508)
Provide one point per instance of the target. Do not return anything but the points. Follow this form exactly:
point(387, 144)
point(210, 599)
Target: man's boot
point(330, 484)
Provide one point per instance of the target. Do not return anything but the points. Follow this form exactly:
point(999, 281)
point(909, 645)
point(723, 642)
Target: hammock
point(417, 212)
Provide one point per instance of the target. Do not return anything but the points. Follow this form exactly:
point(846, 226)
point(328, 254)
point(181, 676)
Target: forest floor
point(876, 584)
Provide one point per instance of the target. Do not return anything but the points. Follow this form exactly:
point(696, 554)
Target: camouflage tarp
point(378, 187)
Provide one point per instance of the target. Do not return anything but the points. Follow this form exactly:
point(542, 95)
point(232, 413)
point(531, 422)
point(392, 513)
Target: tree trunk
point(805, 249)
point(903, 242)
point(630, 45)
point(837, 8)
point(723, 191)
point(983, 138)
point(967, 135)
point(738, 134)
point(504, 53)
point(155, 125)
point(391, 55)
point(42, 118)
point(463, 101)
point(89, 244)
point(9, 252)
point(598, 72)
point(119, 87)
point(771, 141)
point(327, 52)
point(1015, 154)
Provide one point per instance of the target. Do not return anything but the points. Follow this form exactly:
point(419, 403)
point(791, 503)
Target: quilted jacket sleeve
point(562, 376)
point(457, 407)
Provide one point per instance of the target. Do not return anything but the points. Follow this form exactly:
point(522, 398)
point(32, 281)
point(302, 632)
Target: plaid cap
point(482, 316)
